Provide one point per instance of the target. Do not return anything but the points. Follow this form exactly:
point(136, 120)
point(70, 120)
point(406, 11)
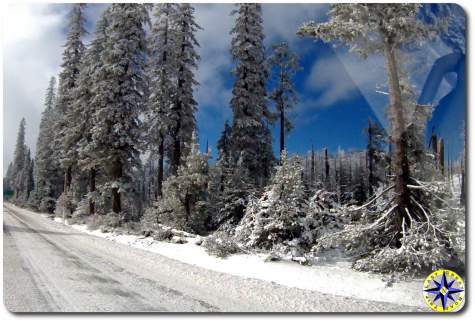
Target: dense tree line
point(118, 141)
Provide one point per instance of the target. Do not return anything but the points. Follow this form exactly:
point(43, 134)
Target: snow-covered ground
point(331, 275)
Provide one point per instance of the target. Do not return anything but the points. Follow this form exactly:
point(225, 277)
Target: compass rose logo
point(444, 291)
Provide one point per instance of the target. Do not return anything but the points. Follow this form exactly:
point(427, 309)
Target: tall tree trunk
point(327, 166)
point(160, 167)
point(176, 155)
point(177, 139)
point(433, 143)
point(92, 188)
point(117, 175)
point(441, 153)
point(282, 127)
point(187, 208)
point(400, 162)
point(67, 178)
point(370, 158)
point(312, 167)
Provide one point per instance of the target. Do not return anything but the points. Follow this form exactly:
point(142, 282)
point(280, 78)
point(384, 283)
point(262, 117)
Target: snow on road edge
point(335, 277)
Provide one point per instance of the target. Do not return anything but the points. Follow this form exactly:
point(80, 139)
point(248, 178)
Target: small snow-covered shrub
point(47, 205)
point(80, 213)
point(131, 227)
point(93, 222)
point(162, 234)
point(220, 245)
point(278, 215)
point(111, 220)
point(420, 250)
point(105, 223)
point(230, 192)
point(65, 205)
point(185, 198)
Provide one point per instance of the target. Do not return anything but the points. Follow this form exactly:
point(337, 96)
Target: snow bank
point(331, 275)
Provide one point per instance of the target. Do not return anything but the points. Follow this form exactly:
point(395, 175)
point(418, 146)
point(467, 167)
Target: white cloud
point(32, 54)
point(281, 21)
point(326, 76)
point(216, 61)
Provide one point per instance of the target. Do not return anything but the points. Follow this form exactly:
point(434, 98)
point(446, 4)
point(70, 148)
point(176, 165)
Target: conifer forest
point(123, 150)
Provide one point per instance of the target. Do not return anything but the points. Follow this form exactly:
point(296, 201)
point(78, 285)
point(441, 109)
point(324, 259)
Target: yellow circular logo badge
point(444, 291)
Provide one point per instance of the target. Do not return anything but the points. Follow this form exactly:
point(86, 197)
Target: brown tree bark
point(92, 188)
point(441, 153)
point(312, 167)
point(160, 167)
point(370, 158)
point(117, 175)
point(67, 178)
point(282, 128)
point(327, 166)
point(400, 162)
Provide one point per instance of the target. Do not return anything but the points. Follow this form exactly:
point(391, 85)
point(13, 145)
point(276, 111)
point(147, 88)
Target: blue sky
point(338, 91)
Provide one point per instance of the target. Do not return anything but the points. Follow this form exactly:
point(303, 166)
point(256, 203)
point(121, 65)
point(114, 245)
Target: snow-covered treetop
point(50, 94)
point(368, 26)
point(287, 64)
point(73, 52)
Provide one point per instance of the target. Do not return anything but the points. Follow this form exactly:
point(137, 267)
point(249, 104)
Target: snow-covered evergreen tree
point(78, 135)
point(284, 65)
point(19, 161)
point(119, 89)
point(29, 178)
point(72, 55)
point(391, 26)
point(408, 231)
point(375, 155)
point(224, 142)
point(251, 137)
point(276, 217)
point(182, 113)
point(230, 186)
point(162, 70)
point(7, 182)
point(48, 178)
point(185, 199)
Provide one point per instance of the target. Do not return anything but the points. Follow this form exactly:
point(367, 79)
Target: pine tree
point(7, 182)
point(327, 167)
point(183, 108)
point(375, 154)
point(115, 139)
point(29, 176)
point(224, 142)
point(162, 74)
point(393, 27)
point(285, 65)
point(78, 136)
point(19, 161)
point(185, 200)
point(251, 137)
point(48, 178)
point(72, 56)
point(277, 216)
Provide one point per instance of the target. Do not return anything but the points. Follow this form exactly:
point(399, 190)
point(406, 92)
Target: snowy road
point(51, 267)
